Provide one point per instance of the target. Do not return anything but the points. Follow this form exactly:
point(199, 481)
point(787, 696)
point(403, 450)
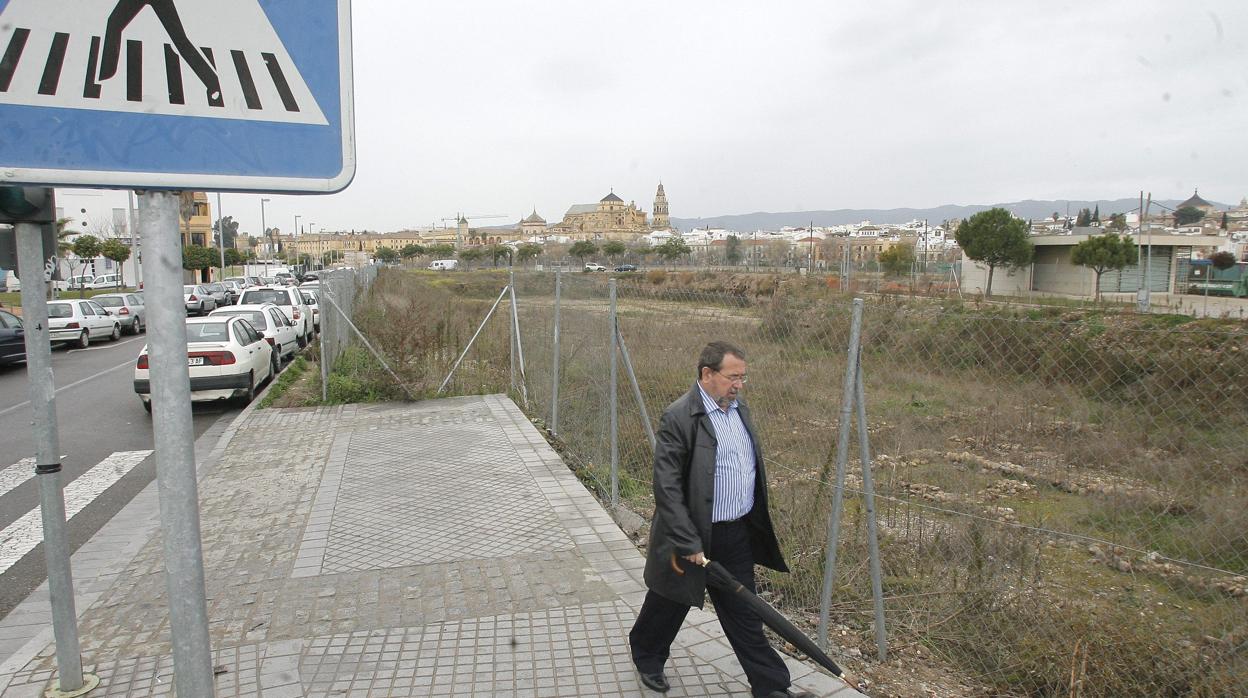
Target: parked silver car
point(219, 293)
point(290, 302)
point(198, 300)
point(128, 308)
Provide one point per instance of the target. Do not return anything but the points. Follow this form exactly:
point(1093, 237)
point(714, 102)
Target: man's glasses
point(742, 379)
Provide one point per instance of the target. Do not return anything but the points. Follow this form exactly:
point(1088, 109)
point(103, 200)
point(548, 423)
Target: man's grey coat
point(684, 486)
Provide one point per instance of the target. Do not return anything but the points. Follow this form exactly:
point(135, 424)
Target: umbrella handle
point(676, 566)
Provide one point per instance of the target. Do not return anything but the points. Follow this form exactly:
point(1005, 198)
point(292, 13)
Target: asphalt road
point(98, 414)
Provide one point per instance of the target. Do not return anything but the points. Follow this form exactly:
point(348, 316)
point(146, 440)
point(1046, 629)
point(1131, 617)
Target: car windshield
point(207, 332)
point(109, 301)
point(60, 310)
point(267, 295)
point(255, 317)
point(188, 290)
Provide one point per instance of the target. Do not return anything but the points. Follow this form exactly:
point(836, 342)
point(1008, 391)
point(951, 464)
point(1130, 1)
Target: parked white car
point(290, 302)
point(311, 296)
point(443, 264)
point(270, 322)
point(128, 308)
point(105, 281)
point(198, 300)
point(594, 266)
point(80, 321)
point(227, 358)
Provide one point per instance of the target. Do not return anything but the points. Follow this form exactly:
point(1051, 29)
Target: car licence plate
point(195, 361)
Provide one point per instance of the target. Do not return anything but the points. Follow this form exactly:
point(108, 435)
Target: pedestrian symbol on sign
point(142, 56)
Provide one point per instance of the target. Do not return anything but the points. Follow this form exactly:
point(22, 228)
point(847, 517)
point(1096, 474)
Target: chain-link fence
point(1060, 493)
point(337, 296)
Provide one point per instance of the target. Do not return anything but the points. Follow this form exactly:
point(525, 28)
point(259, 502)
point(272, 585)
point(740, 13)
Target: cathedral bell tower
point(661, 221)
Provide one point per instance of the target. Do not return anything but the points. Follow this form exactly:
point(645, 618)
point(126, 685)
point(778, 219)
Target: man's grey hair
point(712, 356)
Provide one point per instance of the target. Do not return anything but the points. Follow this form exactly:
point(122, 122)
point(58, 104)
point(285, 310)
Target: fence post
point(842, 457)
point(519, 344)
point(327, 327)
point(868, 489)
point(511, 281)
point(632, 378)
point(615, 446)
point(554, 388)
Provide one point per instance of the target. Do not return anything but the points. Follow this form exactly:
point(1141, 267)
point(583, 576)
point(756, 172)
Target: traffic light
point(27, 205)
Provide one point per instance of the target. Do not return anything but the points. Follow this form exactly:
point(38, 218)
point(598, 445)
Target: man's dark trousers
point(660, 618)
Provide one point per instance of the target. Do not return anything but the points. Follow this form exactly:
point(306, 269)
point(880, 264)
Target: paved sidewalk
point(434, 548)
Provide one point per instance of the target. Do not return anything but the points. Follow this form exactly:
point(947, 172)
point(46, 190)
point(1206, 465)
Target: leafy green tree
point(1222, 260)
point(1084, 219)
point(614, 249)
point(327, 258)
point(1188, 215)
point(230, 226)
point(497, 252)
point(198, 258)
point(85, 248)
point(1096, 215)
point(673, 248)
point(1117, 223)
point(411, 250)
point(732, 252)
point(582, 249)
point(468, 255)
point(114, 250)
point(996, 238)
point(897, 259)
point(527, 251)
point(233, 257)
point(386, 255)
point(1104, 252)
point(442, 250)
point(1224, 220)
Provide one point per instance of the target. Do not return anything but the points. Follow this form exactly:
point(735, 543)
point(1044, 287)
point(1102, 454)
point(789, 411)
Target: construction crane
point(470, 217)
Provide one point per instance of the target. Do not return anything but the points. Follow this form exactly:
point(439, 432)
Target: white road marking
point(13, 476)
point(92, 377)
point(24, 534)
point(110, 345)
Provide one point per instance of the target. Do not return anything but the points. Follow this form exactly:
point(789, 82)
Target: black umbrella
point(720, 578)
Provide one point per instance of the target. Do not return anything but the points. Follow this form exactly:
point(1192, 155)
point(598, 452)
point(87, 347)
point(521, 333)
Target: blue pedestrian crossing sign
point(216, 95)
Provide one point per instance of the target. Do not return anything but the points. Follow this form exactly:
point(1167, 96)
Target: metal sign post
point(175, 444)
point(42, 384)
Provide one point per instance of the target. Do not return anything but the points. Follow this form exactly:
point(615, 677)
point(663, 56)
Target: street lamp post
point(264, 233)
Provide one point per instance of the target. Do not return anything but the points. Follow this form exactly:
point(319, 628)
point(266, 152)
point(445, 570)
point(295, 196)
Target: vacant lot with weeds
point(1061, 492)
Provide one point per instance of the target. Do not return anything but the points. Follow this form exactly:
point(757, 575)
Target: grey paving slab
point(433, 548)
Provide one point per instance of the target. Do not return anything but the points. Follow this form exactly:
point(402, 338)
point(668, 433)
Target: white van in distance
point(443, 264)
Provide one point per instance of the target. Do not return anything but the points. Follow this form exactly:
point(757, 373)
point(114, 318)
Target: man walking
point(710, 492)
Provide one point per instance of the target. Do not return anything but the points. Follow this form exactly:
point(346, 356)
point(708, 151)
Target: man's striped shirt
point(734, 462)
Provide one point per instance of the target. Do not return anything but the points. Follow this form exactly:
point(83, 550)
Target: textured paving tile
point(570, 651)
point(451, 490)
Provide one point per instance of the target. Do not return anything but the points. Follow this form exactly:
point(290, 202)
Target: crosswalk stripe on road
point(23, 535)
point(13, 476)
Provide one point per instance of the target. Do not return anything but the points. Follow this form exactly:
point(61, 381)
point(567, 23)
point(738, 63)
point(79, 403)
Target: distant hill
point(1024, 209)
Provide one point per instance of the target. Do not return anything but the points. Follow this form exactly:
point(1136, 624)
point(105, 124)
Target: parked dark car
point(12, 339)
point(626, 267)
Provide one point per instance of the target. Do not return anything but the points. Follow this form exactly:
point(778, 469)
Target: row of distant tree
point(1187, 215)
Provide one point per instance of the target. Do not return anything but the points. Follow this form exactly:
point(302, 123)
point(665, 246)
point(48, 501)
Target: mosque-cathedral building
point(612, 219)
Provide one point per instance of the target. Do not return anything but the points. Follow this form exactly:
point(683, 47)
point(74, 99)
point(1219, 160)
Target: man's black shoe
point(655, 682)
point(790, 694)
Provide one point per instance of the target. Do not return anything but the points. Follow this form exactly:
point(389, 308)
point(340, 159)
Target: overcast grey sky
point(499, 107)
